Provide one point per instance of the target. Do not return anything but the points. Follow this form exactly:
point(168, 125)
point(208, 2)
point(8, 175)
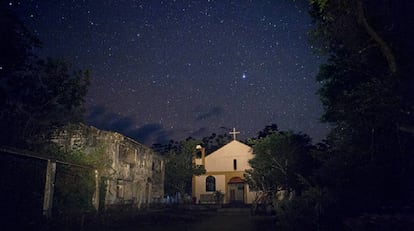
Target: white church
point(225, 170)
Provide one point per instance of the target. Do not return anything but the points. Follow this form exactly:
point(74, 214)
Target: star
point(167, 66)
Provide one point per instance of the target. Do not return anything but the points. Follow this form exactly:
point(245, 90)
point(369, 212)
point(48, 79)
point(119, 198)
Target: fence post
point(49, 188)
point(95, 199)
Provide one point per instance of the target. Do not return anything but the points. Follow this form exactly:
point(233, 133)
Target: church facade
point(225, 170)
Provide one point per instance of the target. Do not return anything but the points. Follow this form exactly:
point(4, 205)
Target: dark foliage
point(366, 162)
point(367, 157)
point(179, 168)
point(36, 96)
point(216, 141)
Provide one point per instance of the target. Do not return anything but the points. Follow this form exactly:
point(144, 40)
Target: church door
point(236, 190)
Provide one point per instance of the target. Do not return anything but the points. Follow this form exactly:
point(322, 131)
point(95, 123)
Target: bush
point(309, 211)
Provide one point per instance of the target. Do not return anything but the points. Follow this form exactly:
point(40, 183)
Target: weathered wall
point(136, 175)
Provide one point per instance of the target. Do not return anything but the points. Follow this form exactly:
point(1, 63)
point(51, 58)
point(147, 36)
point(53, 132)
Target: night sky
point(172, 69)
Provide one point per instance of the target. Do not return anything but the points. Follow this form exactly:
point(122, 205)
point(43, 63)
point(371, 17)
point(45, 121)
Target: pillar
point(49, 188)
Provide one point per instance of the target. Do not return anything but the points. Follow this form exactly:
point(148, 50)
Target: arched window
point(210, 184)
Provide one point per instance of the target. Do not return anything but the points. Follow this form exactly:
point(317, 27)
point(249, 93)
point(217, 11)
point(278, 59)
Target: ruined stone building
point(136, 173)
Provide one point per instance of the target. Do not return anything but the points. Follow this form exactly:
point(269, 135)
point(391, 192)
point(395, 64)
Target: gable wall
point(222, 159)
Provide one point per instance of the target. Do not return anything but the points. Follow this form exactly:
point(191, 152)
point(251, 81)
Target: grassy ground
point(173, 220)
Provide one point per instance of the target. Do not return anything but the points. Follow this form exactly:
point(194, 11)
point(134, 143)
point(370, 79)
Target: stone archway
point(236, 190)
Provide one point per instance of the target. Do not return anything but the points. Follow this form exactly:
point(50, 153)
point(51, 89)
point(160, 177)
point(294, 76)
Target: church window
point(210, 184)
point(235, 164)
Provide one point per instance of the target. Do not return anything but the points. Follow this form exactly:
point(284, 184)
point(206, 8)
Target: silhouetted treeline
point(36, 95)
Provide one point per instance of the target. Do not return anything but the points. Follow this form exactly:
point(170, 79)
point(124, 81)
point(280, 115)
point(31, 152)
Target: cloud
point(147, 134)
point(200, 132)
point(214, 111)
point(154, 133)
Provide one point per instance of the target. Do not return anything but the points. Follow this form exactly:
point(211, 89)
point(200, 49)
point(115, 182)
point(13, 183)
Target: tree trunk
point(385, 49)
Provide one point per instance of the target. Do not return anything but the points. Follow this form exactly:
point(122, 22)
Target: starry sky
point(166, 70)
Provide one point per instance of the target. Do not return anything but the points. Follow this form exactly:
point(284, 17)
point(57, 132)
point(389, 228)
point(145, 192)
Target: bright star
point(244, 76)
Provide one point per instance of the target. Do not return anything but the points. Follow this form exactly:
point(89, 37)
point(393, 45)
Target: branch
point(385, 49)
point(407, 129)
point(278, 166)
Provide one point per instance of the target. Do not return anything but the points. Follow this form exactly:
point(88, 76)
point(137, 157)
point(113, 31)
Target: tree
point(214, 141)
point(337, 18)
point(365, 98)
point(164, 149)
point(48, 97)
point(17, 44)
point(180, 168)
point(268, 130)
point(282, 161)
point(37, 96)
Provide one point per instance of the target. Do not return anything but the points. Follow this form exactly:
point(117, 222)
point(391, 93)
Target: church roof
point(232, 145)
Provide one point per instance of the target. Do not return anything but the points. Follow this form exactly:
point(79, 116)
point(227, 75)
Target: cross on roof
point(234, 133)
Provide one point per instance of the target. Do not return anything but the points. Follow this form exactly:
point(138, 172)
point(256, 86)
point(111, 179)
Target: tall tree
point(16, 44)
point(37, 95)
point(180, 168)
point(365, 97)
point(268, 130)
point(282, 161)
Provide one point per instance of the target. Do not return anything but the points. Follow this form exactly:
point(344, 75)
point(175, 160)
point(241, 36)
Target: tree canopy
point(36, 95)
point(364, 82)
point(282, 161)
point(365, 164)
point(180, 168)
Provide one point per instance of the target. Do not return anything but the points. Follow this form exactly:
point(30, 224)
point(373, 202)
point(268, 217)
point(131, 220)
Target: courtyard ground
point(175, 220)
